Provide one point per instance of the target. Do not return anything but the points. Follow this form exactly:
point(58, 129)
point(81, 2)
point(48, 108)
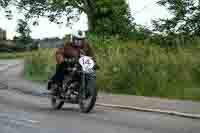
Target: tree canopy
point(185, 17)
point(110, 17)
point(24, 31)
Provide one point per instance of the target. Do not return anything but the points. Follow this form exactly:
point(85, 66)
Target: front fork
point(87, 83)
point(83, 86)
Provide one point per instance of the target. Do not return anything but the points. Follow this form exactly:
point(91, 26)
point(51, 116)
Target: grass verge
point(14, 55)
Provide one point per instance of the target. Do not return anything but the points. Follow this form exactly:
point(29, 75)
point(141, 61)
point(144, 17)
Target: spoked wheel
point(88, 97)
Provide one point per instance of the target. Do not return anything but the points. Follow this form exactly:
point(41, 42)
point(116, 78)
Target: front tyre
point(88, 95)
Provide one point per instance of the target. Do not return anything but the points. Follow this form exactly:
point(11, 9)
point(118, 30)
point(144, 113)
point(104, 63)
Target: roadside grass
point(14, 55)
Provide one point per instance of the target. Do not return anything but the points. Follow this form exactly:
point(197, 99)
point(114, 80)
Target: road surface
point(20, 113)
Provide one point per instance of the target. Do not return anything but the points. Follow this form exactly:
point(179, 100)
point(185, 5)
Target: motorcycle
point(80, 91)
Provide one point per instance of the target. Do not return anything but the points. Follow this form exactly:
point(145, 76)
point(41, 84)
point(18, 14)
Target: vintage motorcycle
point(81, 90)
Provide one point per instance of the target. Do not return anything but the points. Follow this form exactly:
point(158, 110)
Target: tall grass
point(134, 68)
point(40, 65)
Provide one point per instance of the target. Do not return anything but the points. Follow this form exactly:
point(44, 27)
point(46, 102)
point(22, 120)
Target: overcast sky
point(142, 10)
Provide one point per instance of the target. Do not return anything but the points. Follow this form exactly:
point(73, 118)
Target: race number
point(86, 62)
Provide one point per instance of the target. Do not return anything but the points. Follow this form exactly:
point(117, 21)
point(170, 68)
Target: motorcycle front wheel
point(88, 95)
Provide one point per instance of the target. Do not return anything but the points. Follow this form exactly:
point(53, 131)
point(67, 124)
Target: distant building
point(2, 34)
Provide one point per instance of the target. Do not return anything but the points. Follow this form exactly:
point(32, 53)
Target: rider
point(70, 51)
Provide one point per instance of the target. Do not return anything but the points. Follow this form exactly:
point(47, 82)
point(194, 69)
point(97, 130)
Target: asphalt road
point(21, 113)
point(7, 62)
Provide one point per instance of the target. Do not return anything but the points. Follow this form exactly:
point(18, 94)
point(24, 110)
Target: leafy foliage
point(109, 17)
point(24, 31)
point(24, 37)
point(185, 17)
point(4, 3)
point(113, 17)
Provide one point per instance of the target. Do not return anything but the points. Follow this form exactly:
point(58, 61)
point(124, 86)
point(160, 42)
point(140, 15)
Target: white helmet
point(79, 34)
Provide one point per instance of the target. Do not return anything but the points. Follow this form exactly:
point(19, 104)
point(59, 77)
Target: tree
point(4, 3)
point(111, 16)
point(24, 32)
point(185, 19)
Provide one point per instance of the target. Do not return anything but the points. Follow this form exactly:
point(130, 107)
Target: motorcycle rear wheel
point(56, 103)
